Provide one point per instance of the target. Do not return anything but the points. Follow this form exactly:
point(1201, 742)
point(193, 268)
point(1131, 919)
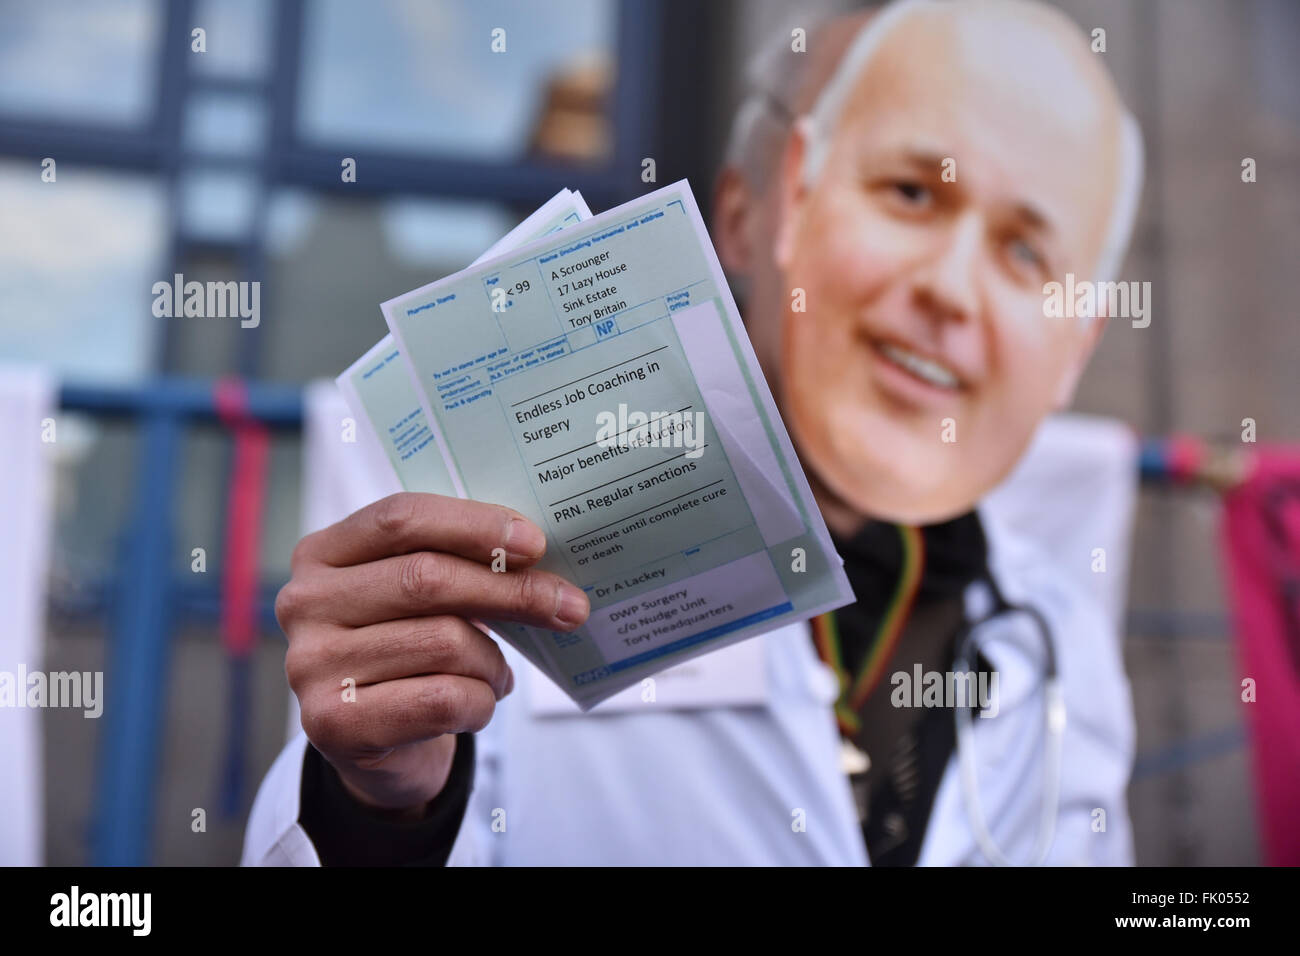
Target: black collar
point(956, 554)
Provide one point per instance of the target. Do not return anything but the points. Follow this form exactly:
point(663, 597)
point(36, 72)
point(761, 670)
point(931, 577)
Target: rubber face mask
point(916, 356)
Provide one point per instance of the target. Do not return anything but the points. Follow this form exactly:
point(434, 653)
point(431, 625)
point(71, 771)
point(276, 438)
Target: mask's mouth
point(924, 368)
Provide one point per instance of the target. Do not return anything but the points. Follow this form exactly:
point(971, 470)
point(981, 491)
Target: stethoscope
point(967, 646)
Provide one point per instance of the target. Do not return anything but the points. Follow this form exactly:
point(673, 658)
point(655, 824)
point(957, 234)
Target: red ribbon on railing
point(1261, 542)
point(239, 582)
point(244, 504)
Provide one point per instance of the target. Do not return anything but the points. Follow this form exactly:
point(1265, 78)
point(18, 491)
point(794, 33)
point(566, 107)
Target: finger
point(427, 584)
point(412, 647)
point(407, 522)
point(398, 712)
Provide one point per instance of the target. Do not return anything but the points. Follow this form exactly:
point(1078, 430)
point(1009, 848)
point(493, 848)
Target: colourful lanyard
point(826, 635)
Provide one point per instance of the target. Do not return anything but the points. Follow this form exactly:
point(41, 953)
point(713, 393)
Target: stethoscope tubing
point(1054, 717)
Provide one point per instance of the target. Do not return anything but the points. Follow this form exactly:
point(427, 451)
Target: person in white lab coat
point(956, 160)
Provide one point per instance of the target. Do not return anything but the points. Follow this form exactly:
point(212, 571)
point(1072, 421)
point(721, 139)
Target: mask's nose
point(944, 286)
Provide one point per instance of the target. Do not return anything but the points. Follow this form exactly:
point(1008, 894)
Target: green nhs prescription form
point(379, 390)
point(378, 387)
point(599, 381)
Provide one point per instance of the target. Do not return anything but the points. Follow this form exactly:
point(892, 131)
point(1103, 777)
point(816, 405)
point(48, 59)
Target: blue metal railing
point(143, 596)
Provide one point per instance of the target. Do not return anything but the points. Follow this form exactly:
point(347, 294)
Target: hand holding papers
point(598, 380)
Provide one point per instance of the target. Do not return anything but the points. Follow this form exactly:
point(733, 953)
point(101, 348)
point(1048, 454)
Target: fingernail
point(524, 539)
point(510, 681)
point(574, 606)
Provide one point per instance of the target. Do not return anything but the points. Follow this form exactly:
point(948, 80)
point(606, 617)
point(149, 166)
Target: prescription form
point(599, 381)
point(379, 390)
point(378, 386)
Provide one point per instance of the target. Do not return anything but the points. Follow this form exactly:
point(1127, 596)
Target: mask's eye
point(1025, 259)
point(913, 193)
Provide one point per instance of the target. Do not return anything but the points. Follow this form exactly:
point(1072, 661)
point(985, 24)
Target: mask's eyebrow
point(928, 160)
point(923, 159)
point(1033, 218)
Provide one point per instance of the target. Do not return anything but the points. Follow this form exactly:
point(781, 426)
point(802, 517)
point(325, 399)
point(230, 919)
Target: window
point(78, 258)
point(422, 76)
point(79, 60)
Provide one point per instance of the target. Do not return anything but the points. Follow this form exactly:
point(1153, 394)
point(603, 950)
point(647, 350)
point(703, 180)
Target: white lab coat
point(763, 785)
point(28, 400)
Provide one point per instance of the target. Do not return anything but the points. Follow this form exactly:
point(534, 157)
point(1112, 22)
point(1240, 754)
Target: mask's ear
point(1084, 345)
point(794, 190)
point(733, 217)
